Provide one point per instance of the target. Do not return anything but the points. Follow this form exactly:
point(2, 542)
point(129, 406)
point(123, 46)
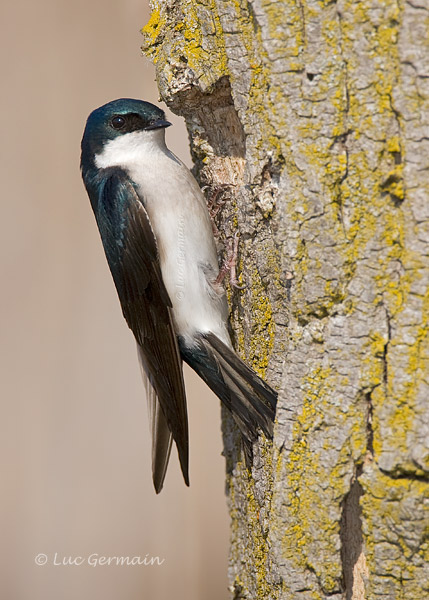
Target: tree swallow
point(158, 240)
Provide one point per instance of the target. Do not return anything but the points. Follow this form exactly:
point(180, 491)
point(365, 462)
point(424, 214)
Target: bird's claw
point(230, 263)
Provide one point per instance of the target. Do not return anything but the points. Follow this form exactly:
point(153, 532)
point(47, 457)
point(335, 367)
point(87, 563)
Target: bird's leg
point(230, 263)
point(214, 205)
point(233, 263)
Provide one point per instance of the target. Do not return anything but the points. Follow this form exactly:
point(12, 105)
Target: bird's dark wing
point(131, 251)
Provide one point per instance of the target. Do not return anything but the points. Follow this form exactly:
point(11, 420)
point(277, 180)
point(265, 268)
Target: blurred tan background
point(74, 445)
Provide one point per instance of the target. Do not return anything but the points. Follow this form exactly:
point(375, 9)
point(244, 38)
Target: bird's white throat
point(129, 148)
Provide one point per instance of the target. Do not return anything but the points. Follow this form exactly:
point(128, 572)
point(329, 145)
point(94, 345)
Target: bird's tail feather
point(161, 434)
point(251, 401)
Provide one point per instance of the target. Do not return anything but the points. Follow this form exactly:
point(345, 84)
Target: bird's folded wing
point(132, 254)
point(161, 434)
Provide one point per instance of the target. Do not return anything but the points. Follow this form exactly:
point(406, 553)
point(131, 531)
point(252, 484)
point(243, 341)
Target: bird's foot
point(215, 202)
point(230, 263)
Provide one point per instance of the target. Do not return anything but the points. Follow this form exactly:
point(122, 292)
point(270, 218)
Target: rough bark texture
point(309, 125)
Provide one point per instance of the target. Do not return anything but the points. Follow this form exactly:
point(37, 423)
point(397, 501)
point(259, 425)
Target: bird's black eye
point(118, 122)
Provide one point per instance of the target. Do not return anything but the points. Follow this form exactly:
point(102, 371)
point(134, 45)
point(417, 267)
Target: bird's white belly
point(188, 259)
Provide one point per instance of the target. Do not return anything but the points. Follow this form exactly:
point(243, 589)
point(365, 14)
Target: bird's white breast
point(182, 228)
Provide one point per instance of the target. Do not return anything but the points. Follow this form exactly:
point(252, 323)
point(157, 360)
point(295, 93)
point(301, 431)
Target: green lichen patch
point(263, 327)
point(311, 523)
point(395, 527)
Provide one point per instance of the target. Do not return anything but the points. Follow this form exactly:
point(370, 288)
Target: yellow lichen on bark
point(175, 37)
point(324, 109)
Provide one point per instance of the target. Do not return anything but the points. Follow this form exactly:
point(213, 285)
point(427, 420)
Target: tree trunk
point(309, 126)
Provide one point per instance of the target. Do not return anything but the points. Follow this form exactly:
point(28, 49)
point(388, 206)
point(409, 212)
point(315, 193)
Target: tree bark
point(309, 126)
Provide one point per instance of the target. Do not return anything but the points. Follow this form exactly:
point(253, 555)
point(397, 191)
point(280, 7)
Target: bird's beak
point(159, 123)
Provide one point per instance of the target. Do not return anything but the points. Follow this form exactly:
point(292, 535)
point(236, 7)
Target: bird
point(158, 240)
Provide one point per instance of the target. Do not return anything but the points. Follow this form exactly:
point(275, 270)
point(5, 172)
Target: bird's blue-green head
point(115, 119)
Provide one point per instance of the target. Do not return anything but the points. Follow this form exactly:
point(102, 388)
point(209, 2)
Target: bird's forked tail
point(251, 401)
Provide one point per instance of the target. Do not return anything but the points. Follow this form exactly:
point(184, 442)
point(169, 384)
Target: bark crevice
point(352, 540)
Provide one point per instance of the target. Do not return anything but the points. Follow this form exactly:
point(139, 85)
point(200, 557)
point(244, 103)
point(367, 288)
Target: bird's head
point(118, 119)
